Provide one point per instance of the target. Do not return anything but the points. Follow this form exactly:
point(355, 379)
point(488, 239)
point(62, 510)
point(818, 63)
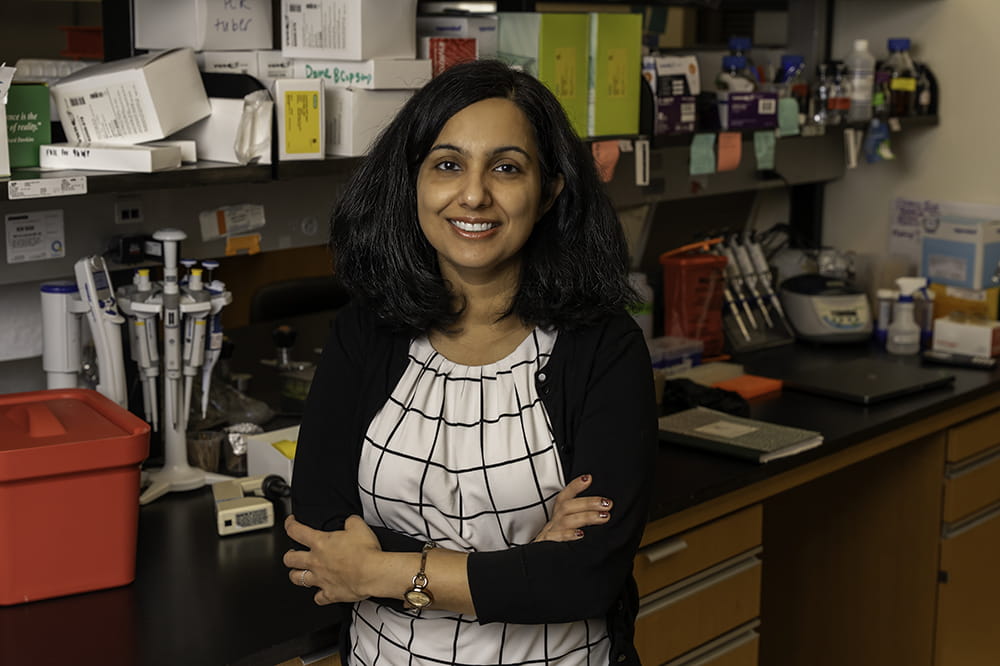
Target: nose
point(475, 191)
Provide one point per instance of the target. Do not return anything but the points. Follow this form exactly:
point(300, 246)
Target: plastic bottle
point(904, 333)
point(903, 78)
point(732, 78)
point(642, 310)
point(883, 315)
point(740, 46)
point(860, 65)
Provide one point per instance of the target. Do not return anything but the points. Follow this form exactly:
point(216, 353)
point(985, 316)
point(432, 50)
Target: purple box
point(675, 115)
point(754, 110)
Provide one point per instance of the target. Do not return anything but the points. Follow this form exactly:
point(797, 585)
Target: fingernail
point(605, 502)
point(578, 533)
point(603, 514)
point(585, 478)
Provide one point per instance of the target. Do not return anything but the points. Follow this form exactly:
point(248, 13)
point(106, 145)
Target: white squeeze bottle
point(860, 66)
point(904, 333)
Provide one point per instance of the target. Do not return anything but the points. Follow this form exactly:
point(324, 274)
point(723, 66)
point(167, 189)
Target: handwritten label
point(339, 75)
point(905, 227)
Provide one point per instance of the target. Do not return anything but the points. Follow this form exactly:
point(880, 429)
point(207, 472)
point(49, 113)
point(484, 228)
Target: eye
point(508, 168)
point(447, 165)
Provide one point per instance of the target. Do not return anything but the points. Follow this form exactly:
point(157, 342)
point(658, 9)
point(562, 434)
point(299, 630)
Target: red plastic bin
point(69, 493)
point(692, 298)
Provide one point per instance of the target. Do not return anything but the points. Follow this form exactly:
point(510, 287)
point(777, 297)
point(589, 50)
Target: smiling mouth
point(473, 227)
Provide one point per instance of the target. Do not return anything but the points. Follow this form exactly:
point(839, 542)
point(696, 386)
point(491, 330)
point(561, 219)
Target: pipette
point(766, 279)
point(750, 278)
point(105, 321)
point(171, 316)
point(220, 298)
point(735, 278)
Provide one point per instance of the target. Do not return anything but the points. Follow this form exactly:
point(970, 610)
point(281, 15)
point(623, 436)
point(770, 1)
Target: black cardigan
point(598, 392)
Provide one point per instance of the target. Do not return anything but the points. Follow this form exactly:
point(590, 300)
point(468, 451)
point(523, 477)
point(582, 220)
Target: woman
point(474, 460)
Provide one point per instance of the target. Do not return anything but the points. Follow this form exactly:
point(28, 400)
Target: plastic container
point(860, 65)
point(69, 493)
point(692, 298)
point(904, 333)
point(675, 354)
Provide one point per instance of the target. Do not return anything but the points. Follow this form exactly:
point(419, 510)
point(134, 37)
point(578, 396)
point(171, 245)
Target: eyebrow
point(495, 151)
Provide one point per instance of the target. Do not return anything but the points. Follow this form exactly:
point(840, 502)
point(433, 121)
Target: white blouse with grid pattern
point(464, 456)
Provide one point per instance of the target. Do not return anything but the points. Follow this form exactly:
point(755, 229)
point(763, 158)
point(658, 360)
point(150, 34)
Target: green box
point(554, 48)
point(615, 71)
point(29, 122)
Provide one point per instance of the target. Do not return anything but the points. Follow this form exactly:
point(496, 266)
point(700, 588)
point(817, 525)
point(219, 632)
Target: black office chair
point(298, 296)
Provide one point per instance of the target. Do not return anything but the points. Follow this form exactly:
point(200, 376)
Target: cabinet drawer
point(739, 647)
point(698, 609)
point(667, 561)
point(972, 485)
point(975, 436)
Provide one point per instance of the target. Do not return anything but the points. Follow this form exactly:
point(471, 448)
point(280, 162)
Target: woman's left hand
point(335, 560)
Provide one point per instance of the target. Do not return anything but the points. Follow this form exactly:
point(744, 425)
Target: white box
point(272, 64)
point(961, 245)
point(300, 108)
point(4, 150)
point(189, 148)
point(215, 136)
point(355, 117)
point(380, 74)
point(263, 458)
point(203, 25)
point(481, 28)
point(973, 338)
point(143, 98)
point(349, 29)
point(229, 62)
point(96, 157)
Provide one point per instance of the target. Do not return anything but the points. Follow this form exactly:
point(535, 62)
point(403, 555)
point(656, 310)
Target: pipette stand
point(184, 311)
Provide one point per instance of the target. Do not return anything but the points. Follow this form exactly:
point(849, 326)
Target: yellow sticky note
point(730, 150)
point(285, 447)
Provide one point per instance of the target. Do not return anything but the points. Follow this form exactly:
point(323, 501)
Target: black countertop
point(202, 599)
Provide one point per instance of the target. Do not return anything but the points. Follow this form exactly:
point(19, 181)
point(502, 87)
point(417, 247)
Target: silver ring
point(302, 578)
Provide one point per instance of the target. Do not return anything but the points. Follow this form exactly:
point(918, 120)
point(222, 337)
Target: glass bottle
point(821, 96)
point(839, 104)
point(902, 78)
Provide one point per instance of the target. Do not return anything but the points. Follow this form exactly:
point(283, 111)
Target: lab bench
point(875, 548)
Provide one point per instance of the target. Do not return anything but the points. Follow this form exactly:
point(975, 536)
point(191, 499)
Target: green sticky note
point(788, 116)
point(763, 148)
point(702, 154)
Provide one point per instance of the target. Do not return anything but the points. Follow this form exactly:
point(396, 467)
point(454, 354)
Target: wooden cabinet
point(700, 594)
point(969, 581)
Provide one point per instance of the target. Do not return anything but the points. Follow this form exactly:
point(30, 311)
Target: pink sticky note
point(730, 148)
point(606, 154)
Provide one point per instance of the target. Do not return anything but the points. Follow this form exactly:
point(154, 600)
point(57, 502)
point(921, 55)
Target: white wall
point(958, 160)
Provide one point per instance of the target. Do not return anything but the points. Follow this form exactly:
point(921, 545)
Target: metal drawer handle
point(663, 549)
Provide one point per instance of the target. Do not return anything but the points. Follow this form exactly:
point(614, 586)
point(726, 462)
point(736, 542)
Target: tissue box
point(349, 29)
point(203, 25)
point(553, 48)
point(973, 338)
point(143, 98)
point(962, 250)
point(354, 117)
point(615, 67)
point(69, 493)
point(300, 108)
point(481, 28)
point(215, 136)
point(380, 74)
point(264, 458)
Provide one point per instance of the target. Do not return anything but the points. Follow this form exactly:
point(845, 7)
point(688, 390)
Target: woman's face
point(479, 191)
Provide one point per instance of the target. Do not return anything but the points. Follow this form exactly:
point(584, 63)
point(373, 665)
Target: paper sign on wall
point(35, 236)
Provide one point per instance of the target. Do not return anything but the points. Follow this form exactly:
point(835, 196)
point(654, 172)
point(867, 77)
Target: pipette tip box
point(69, 493)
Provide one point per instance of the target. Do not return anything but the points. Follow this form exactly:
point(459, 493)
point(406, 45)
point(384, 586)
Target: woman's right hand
point(570, 514)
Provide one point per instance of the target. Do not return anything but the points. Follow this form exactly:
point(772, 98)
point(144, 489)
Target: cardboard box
point(481, 28)
point(961, 246)
point(970, 337)
point(748, 111)
point(69, 489)
point(444, 52)
point(555, 49)
point(615, 74)
point(229, 62)
point(355, 117)
point(97, 157)
point(203, 25)
point(215, 136)
point(981, 303)
point(349, 29)
point(670, 27)
point(29, 124)
point(368, 74)
point(299, 105)
point(143, 98)
point(264, 458)
point(675, 115)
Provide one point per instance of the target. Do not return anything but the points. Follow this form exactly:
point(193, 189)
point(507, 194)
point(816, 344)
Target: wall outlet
point(128, 210)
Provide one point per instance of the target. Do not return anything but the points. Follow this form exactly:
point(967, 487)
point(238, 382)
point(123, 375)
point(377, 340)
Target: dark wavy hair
point(575, 263)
